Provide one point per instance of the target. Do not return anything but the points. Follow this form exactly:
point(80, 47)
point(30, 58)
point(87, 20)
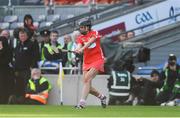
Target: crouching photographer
point(175, 99)
point(169, 77)
point(150, 88)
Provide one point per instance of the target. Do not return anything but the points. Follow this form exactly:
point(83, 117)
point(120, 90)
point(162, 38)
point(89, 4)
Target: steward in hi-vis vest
point(119, 85)
point(45, 39)
point(37, 90)
point(53, 50)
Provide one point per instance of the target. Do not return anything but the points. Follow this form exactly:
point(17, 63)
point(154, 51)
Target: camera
point(123, 55)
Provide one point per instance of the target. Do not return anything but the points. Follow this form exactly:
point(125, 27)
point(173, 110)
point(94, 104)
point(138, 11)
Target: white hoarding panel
point(143, 17)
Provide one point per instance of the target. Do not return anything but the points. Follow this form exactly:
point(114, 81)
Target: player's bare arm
point(86, 45)
point(78, 49)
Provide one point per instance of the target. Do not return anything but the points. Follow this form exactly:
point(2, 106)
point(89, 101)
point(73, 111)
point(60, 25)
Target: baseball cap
point(45, 32)
point(171, 57)
point(154, 72)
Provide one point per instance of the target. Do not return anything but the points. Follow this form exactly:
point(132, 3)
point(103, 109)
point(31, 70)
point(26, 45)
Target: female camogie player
point(93, 61)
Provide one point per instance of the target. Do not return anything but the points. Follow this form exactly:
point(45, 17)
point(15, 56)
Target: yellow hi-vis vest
point(50, 50)
point(39, 97)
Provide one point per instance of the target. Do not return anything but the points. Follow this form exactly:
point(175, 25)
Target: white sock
point(100, 96)
point(82, 102)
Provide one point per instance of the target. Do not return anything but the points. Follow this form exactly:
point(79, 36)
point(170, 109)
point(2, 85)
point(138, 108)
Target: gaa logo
point(143, 17)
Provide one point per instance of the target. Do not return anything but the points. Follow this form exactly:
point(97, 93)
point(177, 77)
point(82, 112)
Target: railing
point(61, 74)
point(34, 10)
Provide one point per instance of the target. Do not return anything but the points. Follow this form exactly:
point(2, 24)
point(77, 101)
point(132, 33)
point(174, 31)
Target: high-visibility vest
point(42, 54)
point(39, 97)
point(121, 83)
point(165, 85)
point(69, 47)
point(176, 89)
point(50, 50)
point(70, 56)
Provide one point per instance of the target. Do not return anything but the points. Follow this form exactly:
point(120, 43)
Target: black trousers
point(149, 93)
point(164, 96)
point(22, 100)
point(32, 102)
point(21, 80)
point(117, 100)
point(6, 84)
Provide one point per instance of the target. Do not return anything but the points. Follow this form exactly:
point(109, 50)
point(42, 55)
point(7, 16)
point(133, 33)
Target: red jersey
point(94, 52)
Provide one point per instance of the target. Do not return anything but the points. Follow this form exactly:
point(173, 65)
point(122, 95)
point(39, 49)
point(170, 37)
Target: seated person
point(37, 90)
point(150, 88)
point(175, 98)
point(168, 78)
point(119, 84)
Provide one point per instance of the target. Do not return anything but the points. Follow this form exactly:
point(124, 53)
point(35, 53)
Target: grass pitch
point(90, 111)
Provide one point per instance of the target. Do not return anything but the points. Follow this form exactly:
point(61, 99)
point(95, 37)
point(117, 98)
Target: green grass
point(90, 111)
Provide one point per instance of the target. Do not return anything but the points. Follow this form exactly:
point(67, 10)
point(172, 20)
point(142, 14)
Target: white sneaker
point(163, 104)
point(103, 102)
point(170, 103)
point(79, 107)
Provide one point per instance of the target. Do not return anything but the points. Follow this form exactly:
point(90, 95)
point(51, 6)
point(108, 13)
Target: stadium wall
point(72, 86)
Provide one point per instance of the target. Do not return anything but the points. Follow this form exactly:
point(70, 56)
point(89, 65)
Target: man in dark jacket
point(25, 58)
point(5, 80)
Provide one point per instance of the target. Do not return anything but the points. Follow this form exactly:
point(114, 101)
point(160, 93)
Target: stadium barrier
point(68, 92)
point(66, 89)
point(72, 86)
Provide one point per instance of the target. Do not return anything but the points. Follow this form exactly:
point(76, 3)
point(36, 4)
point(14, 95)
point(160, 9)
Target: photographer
point(168, 78)
point(149, 88)
point(175, 99)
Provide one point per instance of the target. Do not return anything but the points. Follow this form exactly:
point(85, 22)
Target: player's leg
point(87, 81)
point(102, 97)
point(82, 101)
point(94, 92)
point(87, 78)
